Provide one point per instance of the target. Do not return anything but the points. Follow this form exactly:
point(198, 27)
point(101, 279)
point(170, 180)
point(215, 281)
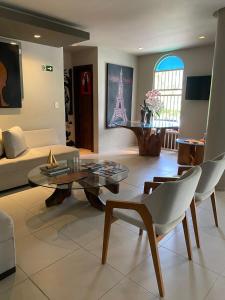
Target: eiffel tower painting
point(120, 95)
point(119, 113)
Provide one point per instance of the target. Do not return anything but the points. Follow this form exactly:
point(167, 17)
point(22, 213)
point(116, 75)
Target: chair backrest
point(170, 200)
point(212, 171)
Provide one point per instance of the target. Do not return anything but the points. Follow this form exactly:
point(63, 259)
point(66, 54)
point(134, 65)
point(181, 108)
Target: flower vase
point(143, 115)
point(149, 117)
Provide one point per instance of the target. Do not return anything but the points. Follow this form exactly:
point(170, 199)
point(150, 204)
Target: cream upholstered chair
point(7, 246)
point(157, 213)
point(212, 171)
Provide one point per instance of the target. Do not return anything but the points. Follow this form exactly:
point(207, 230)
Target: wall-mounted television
point(198, 87)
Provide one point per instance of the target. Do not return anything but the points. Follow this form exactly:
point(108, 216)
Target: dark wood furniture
point(190, 152)
point(91, 183)
point(150, 137)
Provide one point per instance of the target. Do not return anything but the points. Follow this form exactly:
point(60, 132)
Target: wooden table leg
point(148, 144)
point(58, 196)
point(93, 196)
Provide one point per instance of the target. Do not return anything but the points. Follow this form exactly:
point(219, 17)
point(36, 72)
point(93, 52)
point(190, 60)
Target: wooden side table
point(190, 152)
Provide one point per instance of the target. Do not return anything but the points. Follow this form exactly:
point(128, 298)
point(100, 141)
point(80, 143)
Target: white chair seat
point(132, 217)
point(203, 196)
point(129, 216)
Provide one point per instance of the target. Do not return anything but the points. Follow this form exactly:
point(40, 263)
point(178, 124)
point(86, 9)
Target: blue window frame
point(169, 63)
point(168, 80)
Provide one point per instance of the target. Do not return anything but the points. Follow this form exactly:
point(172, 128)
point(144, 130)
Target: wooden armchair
point(212, 171)
point(157, 213)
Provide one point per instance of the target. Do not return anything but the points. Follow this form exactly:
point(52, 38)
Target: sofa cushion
point(14, 142)
point(41, 137)
point(61, 152)
point(1, 144)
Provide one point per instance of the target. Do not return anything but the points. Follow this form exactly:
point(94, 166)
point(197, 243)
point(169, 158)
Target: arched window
point(168, 79)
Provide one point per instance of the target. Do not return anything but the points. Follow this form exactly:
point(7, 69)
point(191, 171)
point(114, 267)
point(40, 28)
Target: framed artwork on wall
point(10, 79)
point(118, 95)
point(68, 77)
point(68, 96)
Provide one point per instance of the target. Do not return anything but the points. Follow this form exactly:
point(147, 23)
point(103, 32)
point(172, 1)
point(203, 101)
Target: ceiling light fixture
point(13, 43)
point(201, 37)
point(37, 36)
point(140, 48)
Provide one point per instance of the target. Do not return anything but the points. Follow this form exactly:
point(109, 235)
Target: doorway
point(83, 106)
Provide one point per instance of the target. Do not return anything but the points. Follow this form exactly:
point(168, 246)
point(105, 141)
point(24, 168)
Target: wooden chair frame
point(182, 169)
point(149, 227)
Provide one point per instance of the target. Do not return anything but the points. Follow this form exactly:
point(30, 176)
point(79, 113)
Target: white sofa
point(13, 171)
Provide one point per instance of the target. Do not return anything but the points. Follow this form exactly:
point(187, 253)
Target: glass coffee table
point(88, 175)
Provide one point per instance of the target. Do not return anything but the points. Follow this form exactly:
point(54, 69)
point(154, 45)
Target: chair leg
point(213, 201)
point(187, 237)
point(195, 223)
point(107, 227)
point(140, 232)
point(155, 258)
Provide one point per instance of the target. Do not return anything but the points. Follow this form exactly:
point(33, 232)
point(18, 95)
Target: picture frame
point(11, 84)
point(119, 88)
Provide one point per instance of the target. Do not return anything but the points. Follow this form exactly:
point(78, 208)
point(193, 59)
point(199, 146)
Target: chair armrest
point(123, 204)
point(181, 169)
point(165, 179)
point(150, 185)
point(137, 206)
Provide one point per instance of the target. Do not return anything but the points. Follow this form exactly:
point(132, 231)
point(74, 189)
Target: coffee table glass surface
point(90, 169)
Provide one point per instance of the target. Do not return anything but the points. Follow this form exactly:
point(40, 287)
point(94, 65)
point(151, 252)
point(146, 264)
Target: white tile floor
point(59, 248)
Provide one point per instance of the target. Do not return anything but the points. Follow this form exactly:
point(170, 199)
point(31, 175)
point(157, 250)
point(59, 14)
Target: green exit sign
point(47, 68)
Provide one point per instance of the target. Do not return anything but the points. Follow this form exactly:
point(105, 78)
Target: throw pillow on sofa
point(1, 144)
point(14, 142)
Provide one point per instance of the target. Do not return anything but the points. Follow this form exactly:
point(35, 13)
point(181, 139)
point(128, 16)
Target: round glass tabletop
point(79, 174)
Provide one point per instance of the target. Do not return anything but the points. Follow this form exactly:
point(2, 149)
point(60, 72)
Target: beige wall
point(112, 139)
point(198, 61)
point(41, 91)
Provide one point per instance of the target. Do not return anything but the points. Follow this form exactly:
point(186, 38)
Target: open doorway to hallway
point(83, 106)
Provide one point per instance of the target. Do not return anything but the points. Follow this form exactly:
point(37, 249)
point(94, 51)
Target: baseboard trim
point(7, 273)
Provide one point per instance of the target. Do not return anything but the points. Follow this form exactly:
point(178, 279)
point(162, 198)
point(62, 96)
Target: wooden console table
point(150, 142)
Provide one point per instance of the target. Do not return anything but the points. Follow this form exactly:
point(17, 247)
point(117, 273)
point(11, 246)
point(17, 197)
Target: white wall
point(198, 61)
point(41, 91)
point(115, 138)
point(67, 57)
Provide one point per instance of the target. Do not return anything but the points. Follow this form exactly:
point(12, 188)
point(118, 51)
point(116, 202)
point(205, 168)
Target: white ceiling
point(155, 25)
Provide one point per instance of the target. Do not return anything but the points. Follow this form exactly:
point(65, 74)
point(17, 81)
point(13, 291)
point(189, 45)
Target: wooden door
point(83, 106)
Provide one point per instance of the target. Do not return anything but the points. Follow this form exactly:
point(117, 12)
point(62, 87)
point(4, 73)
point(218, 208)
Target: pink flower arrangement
point(152, 102)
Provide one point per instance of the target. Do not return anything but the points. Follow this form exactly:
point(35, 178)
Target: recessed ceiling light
point(13, 43)
point(140, 48)
point(37, 36)
point(201, 37)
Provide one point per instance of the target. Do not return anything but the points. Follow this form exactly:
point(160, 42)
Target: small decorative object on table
point(152, 106)
point(51, 162)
